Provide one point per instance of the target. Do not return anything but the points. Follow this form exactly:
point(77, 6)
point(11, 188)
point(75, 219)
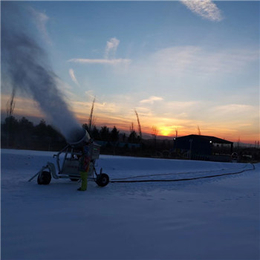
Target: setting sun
point(165, 131)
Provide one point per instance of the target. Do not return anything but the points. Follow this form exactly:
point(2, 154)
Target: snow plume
point(26, 66)
point(41, 20)
point(204, 8)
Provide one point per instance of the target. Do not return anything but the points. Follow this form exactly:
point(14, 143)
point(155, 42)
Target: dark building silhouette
point(202, 147)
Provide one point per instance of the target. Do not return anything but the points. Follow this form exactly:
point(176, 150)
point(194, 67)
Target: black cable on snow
point(169, 174)
point(183, 179)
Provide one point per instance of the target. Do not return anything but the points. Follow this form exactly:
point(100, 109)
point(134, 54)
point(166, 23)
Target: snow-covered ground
point(210, 218)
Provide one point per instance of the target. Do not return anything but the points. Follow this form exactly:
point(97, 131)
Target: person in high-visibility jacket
point(84, 163)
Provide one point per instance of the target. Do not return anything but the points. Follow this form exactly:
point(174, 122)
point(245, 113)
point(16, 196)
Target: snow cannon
point(78, 137)
point(67, 161)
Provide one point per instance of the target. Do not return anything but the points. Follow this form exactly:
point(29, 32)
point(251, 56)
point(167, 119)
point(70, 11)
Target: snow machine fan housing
point(78, 137)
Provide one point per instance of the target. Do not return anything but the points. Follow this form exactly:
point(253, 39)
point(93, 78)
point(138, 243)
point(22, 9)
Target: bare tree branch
point(139, 125)
point(10, 105)
point(90, 121)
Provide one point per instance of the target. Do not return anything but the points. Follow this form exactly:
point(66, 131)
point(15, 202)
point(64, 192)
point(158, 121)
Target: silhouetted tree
point(154, 134)
point(25, 132)
point(9, 131)
point(95, 133)
point(114, 134)
point(104, 133)
point(41, 129)
point(25, 125)
point(133, 138)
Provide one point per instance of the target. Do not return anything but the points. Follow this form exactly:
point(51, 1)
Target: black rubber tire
point(102, 180)
point(44, 178)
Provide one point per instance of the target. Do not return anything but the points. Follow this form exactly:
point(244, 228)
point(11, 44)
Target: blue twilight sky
point(180, 64)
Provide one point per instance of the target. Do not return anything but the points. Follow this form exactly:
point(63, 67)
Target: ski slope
point(206, 218)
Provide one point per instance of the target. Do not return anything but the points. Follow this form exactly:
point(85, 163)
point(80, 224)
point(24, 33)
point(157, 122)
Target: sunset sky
point(182, 65)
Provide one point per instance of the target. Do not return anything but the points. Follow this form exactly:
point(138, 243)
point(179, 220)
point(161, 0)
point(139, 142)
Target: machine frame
point(68, 166)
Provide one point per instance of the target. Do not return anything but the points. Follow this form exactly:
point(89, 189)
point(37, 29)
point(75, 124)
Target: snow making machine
point(67, 161)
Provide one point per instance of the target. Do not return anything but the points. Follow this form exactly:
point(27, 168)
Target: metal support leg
point(37, 173)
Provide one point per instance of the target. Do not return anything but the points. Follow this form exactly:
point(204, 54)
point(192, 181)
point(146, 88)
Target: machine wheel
point(102, 179)
point(44, 178)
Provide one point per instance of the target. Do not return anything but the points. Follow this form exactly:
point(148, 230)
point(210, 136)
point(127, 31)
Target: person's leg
point(84, 182)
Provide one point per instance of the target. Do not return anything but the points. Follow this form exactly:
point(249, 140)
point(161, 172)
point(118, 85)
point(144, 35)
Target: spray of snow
point(26, 66)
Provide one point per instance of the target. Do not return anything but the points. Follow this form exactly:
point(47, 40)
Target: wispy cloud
point(101, 61)
point(73, 77)
point(109, 57)
point(197, 61)
point(235, 110)
point(41, 20)
point(151, 100)
point(204, 8)
point(111, 48)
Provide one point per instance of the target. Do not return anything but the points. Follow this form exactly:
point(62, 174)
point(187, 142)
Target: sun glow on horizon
point(163, 127)
point(166, 131)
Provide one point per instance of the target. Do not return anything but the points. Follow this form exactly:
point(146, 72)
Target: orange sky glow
point(104, 115)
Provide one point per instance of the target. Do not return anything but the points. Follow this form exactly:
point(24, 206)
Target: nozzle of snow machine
point(67, 163)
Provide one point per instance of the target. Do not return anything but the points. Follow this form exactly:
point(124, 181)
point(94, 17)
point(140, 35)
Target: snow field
point(214, 218)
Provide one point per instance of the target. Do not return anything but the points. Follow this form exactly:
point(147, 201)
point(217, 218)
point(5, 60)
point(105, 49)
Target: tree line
point(23, 134)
